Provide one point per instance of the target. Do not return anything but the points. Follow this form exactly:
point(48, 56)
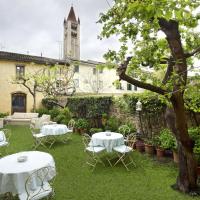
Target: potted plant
point(124, 130)
point(149, 146)
point(81, 125)
point(167, 141)
point(139, 143)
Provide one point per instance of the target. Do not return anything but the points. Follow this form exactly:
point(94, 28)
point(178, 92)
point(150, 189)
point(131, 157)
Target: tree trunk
point(187, 178)
point(34, 102)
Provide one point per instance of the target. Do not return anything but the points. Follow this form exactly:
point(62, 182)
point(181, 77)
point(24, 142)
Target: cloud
point(36, 26)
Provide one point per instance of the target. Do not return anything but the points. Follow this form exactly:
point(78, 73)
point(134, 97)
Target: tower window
point(73, 34)
point(129, 86)
point(20, 71)
point(94, 71)
point(74, 26)
point(76, 68)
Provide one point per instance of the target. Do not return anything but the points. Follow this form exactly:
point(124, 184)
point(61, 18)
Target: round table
point(13, 174)
point(54, 129)
point(107, 140)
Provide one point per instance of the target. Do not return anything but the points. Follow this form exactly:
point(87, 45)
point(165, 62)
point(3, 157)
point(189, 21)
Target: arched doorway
point(18, 101)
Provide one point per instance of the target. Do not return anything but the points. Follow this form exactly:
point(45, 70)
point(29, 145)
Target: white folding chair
point(39, 138)
point(93, 152)
point(4, 140)
point(124, 155)
point(39, 184)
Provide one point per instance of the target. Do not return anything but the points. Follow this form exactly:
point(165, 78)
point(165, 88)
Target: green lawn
point(75, 181)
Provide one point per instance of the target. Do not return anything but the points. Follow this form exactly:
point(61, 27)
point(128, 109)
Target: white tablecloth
point(13, 174)
point(102, 139)
point(54, 129)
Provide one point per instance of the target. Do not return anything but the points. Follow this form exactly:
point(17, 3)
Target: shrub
point(81, 124)
point(49, 103)
point(54, 113)
point(95, 130)
point(42, 111)
point(167, 140)
point(63, 117)
point(2, 115)
point(89, 107)
point(112, 124)
point(124, 129)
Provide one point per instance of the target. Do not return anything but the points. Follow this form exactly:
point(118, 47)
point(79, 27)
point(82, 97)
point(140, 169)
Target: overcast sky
point(36, 26)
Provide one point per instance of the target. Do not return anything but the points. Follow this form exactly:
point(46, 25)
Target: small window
point(76, 68)
point(135, 88)
point(129, 86)
point(76, 83)
point(101, 71)
point(20, 71)
point(119, 86)
point(94, 71)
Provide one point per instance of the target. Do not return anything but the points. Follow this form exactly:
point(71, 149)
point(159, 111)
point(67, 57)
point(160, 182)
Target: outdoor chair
point(93, 152)
point(4, 140)
point(124, 155)
point(39, 138)
point(39, 184)
point(71, 124)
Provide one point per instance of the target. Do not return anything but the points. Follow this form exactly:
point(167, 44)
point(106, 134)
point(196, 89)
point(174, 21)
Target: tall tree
point(162, 35)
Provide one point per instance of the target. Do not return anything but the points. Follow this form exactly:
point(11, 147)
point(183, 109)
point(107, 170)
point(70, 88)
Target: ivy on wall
point(89, 106)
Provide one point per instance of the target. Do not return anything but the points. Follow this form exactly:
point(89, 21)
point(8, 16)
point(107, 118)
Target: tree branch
point(187, 55)
point(123, 76)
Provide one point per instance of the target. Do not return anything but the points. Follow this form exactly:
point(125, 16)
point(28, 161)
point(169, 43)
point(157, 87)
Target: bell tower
point(71, 41)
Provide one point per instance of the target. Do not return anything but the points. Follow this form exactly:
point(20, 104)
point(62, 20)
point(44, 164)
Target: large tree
point(162, 35)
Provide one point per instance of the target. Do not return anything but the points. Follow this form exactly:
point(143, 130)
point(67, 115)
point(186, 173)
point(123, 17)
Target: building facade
point(87, 77)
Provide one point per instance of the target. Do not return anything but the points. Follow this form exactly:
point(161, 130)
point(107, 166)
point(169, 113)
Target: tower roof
point(71, 16)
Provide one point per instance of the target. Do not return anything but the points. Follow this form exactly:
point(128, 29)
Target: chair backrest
point(7, 134)
point(131, 138)
point(86, 139)
point(40, 183)
point(71, 124)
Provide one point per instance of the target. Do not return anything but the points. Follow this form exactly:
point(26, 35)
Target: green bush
point(42, 111)
point(49, 103)
point(81, 124)
point(95, 130)
point(61, 116)
point(112, 124)
point(167, 140)
point(2, 115)
point(89, 107)
point(54, 113)
point(124, 129)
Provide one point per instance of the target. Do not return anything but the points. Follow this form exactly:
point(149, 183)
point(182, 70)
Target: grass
point(74, 181)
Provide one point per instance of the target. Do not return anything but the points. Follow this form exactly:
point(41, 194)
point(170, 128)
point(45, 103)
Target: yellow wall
point(7, 73)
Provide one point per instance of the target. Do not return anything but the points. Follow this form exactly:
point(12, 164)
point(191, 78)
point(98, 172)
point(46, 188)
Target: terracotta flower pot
point(175, 156)
point(149, 149)
point(160, 152)
point(140, 146)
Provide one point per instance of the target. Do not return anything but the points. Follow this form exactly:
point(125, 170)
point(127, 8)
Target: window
point(135, 88)
point(119, 86)
point(76, 83)
point(76, 68)
point(101, 71)
point(129, 86)
point(100, 84)
point(94, 71)
point(19, 71)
